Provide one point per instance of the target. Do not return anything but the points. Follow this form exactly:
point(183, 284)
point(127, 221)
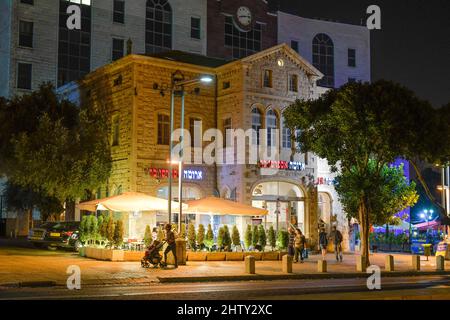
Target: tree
point(235, 236)
point(367, 124)
point(248, 237)
point(226, 238)
point(52, 147)
point(209, 239)
point(272, 238)
point(160, 235)
point(147, 236)
point(255, 236)
point(220, 238)
point(191, 236)
point(84, 229)
point(283, 239)
point(110, 231)
point(100, 222)
point(262, 237)
point(201, 236)
point(93, 228)
point(118, 233)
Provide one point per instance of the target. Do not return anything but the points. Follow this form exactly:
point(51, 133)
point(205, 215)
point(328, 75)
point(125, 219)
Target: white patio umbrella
point(129, 202)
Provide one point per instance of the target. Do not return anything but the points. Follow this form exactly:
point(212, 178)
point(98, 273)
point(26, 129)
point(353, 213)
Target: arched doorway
point(284, 201)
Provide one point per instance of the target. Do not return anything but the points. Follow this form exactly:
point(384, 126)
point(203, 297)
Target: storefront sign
point(188, 174)
point(325, 181)
point(282, 165)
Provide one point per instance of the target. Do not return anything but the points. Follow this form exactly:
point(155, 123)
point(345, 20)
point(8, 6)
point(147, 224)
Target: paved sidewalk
point(18, 265)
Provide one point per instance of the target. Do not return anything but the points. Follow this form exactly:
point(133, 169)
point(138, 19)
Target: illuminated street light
point(178, 84)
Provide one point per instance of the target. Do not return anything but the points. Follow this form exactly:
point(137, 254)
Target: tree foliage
point(272, 238)
point(201, 235)
point(363, 127)
point(248, 237)
point(262, 237)
point(209, 239)
point(191, 236)
point(235, 236)
point(52, 147)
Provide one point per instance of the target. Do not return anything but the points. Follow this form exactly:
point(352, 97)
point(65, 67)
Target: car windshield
point(66, 226)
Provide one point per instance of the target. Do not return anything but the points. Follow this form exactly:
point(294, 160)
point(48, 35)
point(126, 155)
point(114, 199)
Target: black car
point(53, 235)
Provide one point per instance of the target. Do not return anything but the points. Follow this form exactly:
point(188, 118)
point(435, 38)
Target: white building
point(33, 49)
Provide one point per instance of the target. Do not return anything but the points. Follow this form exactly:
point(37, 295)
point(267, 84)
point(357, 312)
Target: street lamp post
point(177, 88)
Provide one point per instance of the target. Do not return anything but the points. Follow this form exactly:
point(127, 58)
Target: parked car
point(53, 235)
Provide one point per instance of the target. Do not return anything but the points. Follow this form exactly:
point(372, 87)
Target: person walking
point(171, 244)
point(336, 238)
point(299, 243)
point(291, 234)
point(323, 242)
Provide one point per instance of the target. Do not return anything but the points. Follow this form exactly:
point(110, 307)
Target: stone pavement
point(30, 265)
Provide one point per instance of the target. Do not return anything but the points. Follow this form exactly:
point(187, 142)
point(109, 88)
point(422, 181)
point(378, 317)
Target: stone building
point(248, 93)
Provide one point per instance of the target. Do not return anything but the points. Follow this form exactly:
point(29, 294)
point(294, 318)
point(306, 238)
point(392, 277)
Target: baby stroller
point(152, 256)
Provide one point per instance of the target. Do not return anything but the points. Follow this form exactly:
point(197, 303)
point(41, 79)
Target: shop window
point(163, 129)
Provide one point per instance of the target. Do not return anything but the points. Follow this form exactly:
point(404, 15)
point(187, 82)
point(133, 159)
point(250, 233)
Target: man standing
point(336, 238)
point(291, 241)
point(171, 244)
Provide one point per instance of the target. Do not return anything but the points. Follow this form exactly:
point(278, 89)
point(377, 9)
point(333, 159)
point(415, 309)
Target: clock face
point(244, 16)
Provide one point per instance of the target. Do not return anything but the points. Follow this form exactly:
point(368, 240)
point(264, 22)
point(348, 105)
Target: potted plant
point(272, 238)
point(201, 236)
point(248, 237)
point(191, 236)
point(209, 239)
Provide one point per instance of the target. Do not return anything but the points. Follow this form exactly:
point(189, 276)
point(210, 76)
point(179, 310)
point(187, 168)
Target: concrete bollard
point(440, 263)
point(389, 266)
point(250, 265)
point(286, 264)
point(361, 265)
point(322, 266)
point(416, 263)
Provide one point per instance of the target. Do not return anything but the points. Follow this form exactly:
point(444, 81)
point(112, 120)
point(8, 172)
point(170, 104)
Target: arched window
point(158, 26)
point(256, 125)
point(323, 59)
point(271, 125)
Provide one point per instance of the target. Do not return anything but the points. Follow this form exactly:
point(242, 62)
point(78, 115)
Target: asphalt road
point(435, 287)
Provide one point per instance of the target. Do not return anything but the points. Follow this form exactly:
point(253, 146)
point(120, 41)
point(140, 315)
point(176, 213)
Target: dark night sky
point(413, 47)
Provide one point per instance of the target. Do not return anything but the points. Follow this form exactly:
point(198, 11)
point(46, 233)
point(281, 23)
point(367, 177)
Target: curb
point(304, 276)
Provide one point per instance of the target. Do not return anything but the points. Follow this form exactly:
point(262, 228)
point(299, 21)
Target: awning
point(129, 202)
point(218, 206)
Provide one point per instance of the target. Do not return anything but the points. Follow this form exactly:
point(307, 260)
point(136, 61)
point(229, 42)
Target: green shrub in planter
point(248, 237)
point(226, 238)
point(272, 238)
point(235, 237)
point(110, 231)
point(118, 233)
point(147, 236)
point(209, 239)
point(255, 236)
point(283, 239)
point(220, 238)
point(191, 236)
point(262, 237)
point(93, 228)
point(201, 236)
point(83, 230)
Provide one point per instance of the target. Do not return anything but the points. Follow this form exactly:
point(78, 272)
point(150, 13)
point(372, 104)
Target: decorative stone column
point(181, 251)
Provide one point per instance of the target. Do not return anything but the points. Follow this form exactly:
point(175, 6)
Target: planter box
point(257, 255)
point(271, 256)
point(196, 256)
point(133, 255)
point(234, 256)
point(82, 252)
point(104, 254)
point(282, 253)
point(216, 256)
